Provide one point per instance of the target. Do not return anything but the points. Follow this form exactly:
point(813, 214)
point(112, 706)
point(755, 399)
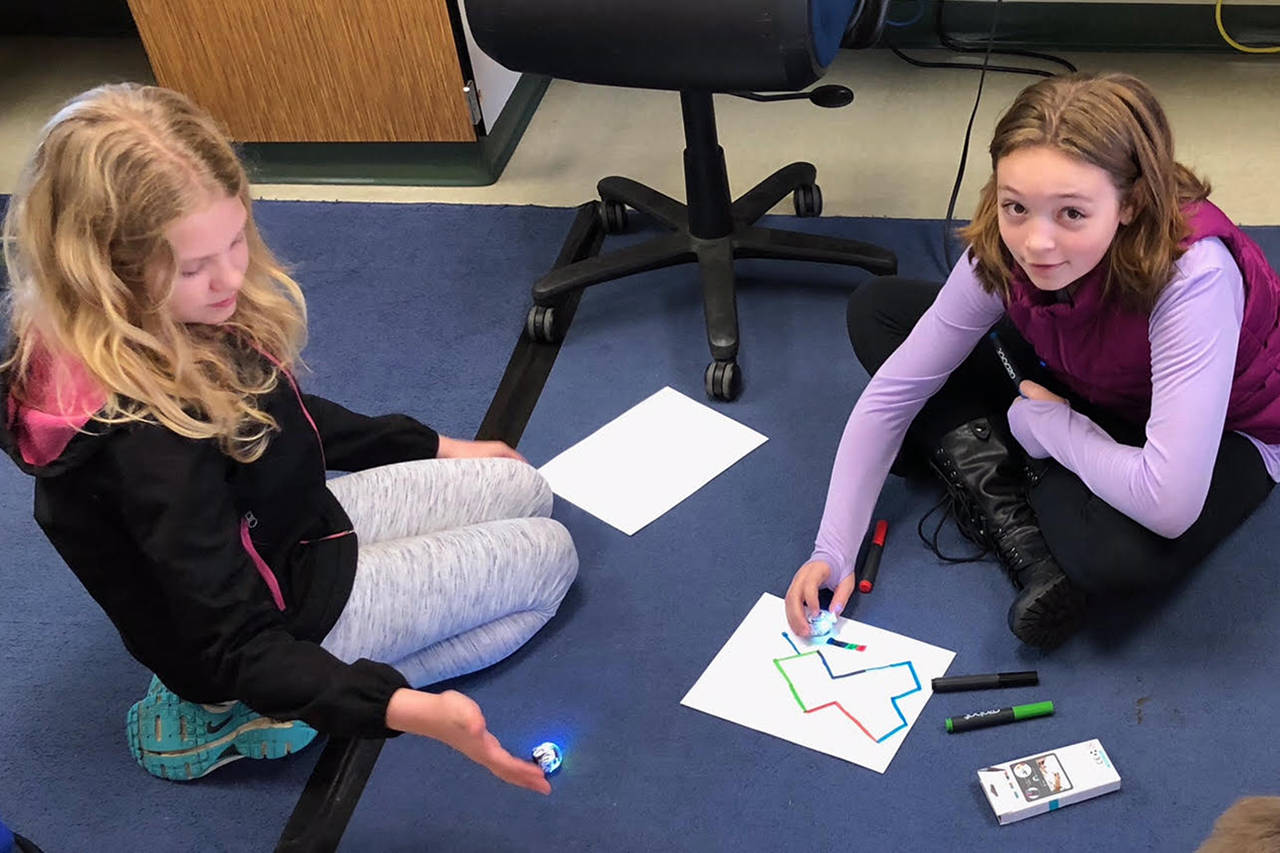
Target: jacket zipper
point(260, 564)
point(320, 443)
point(324, 469)
point(306, 414)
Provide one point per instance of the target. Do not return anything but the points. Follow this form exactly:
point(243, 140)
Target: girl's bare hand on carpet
point(456, 721)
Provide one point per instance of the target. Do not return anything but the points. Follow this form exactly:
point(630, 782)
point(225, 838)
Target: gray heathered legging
point(458, 565)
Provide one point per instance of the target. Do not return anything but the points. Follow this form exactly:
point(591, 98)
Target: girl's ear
point(1128, 210)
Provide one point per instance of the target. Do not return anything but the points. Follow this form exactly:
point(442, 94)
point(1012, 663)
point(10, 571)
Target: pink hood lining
point(62, 397)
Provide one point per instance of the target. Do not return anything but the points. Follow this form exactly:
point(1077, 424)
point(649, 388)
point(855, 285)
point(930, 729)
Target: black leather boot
point(986, 475)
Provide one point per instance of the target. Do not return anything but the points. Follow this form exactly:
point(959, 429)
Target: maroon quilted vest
point(1102, 352)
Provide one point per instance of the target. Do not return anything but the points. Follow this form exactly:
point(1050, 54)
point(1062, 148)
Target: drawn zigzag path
point(881, 681)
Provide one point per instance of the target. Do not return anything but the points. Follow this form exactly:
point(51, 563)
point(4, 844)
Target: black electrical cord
point(984, 67)
point(972, 66)
point(960, 47)
point(968, 132)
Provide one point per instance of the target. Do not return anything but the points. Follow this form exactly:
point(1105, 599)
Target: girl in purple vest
point(1139, 328)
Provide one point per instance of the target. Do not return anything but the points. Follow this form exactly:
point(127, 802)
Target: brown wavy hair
point(91, 272)
point(1112, 121)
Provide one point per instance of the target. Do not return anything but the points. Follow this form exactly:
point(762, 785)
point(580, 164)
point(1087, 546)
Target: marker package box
point(1026, 787)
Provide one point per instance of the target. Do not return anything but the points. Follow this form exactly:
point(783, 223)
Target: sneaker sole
point(260, 738)
point(256, 737)
point(183, 737)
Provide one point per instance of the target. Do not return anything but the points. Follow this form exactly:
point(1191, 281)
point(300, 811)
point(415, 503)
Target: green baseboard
point(441, 164)
point(1171, 27)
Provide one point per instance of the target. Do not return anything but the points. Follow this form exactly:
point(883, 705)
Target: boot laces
point(955, 505)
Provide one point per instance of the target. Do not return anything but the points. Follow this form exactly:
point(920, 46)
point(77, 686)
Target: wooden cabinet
point(313, 70)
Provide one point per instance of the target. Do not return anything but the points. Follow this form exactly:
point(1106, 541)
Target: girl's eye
point(190, 273)
point(1075, 214)
point(240, 238)
point(1013, 207)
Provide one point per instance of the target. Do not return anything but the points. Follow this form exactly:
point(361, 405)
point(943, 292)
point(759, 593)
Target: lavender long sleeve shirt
point(1194, 329)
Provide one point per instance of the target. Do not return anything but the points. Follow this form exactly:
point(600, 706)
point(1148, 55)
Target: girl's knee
point(881, 312)
point(531, 490)
point(864, 307)
point(565, 551)
point(1103, 552)
point(559, 565)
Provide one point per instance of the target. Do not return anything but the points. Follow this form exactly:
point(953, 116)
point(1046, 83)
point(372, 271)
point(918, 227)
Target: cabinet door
point(313, 70)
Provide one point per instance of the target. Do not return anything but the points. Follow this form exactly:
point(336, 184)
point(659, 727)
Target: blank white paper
point(856, 701)
point(648, 459)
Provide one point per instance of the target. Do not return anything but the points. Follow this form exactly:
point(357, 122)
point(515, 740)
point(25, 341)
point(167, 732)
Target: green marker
point(998, 716)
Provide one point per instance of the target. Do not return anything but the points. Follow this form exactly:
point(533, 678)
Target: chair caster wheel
point(808, 200)
point(613, 216)
point(723, 380)
point(541, 325)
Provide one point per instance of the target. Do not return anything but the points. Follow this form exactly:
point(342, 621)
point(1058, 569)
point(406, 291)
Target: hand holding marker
point(1015, 376)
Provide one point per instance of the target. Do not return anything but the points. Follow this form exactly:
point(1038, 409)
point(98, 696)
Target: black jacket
point(151, 523)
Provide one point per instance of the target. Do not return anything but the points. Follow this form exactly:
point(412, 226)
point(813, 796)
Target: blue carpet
point(416, 308)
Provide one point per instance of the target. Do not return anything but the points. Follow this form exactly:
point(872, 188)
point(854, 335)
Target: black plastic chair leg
point(647, 200)
point(795, 246)
point(715, 261)
point(665, 251)
point(761, 198)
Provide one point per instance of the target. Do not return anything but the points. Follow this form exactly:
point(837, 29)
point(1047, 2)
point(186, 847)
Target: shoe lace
point(955, 505)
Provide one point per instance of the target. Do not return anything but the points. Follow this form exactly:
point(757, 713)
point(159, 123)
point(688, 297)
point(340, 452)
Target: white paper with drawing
point(648, 459)
point(854, 697)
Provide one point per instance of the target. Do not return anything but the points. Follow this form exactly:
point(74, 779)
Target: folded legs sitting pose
point(1139, 323)
point(148, 386)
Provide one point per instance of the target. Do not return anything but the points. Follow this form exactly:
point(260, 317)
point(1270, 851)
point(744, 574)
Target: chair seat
point(679, 45)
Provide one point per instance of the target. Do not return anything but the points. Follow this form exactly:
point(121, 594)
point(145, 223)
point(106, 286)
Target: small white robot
point(548, 757)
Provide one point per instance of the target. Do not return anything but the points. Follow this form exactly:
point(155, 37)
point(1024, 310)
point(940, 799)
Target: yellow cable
point(1217, 14)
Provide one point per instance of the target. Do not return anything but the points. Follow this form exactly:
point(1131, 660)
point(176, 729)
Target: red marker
point(872, 564)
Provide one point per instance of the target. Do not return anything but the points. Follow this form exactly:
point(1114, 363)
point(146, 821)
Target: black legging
point(1101, 549)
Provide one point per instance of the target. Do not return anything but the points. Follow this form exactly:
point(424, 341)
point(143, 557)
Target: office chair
point(695, 47)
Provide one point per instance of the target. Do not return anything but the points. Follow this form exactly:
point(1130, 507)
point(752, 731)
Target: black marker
point(1007, 363)
point(953, 683)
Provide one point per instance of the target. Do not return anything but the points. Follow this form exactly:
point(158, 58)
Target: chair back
point(681, 45)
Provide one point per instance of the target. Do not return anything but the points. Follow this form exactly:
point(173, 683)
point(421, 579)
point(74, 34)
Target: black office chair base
point(714, 256)
point(712, 230)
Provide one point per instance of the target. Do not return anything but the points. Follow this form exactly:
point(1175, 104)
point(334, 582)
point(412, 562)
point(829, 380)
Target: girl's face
point(212, 255)
point(1058, 215)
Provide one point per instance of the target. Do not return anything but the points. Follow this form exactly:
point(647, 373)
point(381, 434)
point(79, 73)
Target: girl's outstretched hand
point(456, 720)
point(459, 448)
point(802, 595)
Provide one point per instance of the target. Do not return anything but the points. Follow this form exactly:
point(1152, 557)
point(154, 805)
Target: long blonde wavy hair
point(1112, 121)
point(91, 271)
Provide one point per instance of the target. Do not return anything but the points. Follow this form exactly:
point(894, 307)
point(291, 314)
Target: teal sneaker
point(175, 739)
